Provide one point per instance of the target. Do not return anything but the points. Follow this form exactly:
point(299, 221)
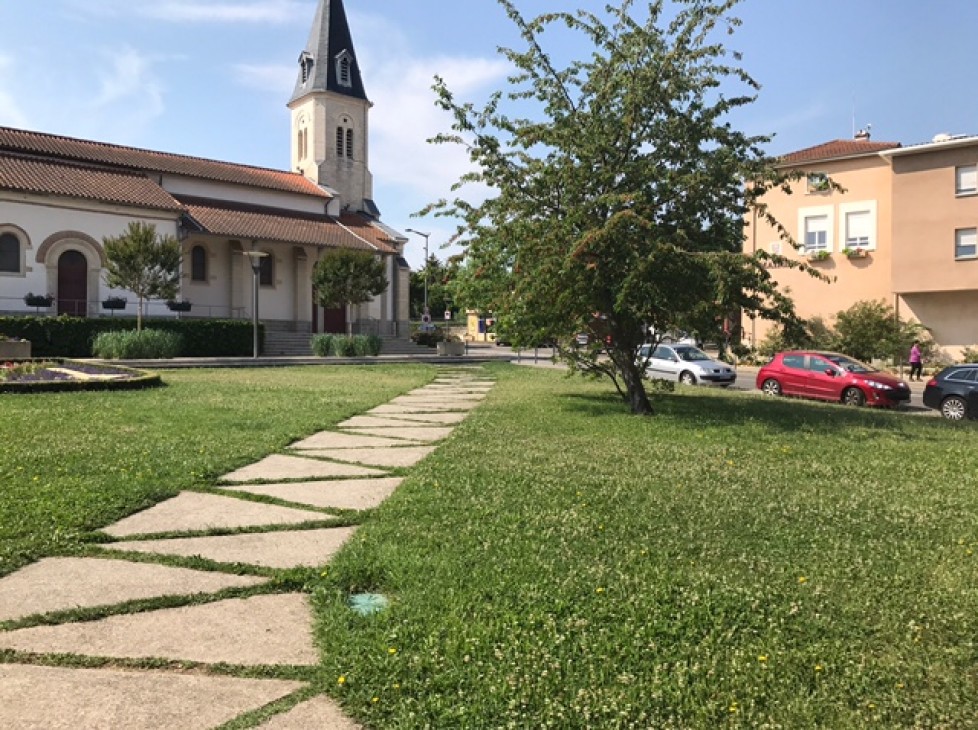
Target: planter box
point(178, 306)
point(453, 349)
point(15, 350)
point(113, 304)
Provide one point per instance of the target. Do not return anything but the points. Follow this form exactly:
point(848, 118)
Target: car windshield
point(850, 365)
point(691, 354)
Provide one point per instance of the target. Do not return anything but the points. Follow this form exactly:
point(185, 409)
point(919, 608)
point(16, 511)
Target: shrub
point(428, 339)
point(368, 345)
point(321, 345)
point(343, 346)
point(969, 354)
point(137, 345)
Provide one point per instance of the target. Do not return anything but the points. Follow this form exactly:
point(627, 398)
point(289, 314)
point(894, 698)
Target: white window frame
point(958, 256)
point(819, 211)
point(966, 180)
point(860, 206)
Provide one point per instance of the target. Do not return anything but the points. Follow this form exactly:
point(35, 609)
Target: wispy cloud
point(194, 11)
point(129, 97)
point(273, 78)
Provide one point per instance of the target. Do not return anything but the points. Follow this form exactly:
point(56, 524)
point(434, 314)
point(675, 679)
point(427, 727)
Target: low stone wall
point(14, 349)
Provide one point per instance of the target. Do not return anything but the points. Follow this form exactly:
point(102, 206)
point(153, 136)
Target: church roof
point(329, 41)
point(836, 149)
point(31, 175)
point(132, 158)
point(220, 218)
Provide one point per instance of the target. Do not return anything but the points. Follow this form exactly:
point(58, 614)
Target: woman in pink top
point(916, 364)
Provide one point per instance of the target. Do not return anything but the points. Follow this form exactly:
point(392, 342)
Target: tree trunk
point(635, 395)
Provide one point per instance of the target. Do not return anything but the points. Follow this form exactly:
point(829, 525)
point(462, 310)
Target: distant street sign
point(448, 314)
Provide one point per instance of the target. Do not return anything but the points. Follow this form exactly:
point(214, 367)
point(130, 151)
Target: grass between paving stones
point(72, 463)
point(733, 561)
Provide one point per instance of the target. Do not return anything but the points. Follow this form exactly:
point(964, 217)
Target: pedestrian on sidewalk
point(916, 361)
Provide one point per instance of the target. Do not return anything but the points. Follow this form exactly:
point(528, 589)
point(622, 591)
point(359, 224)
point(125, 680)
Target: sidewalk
point(155, 669)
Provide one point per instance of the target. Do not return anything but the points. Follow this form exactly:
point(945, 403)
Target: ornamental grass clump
point(137, 345)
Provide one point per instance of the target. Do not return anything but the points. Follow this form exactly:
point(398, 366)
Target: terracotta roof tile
point(836, 149)
point(366, 230)
point(220, 219)
point(38, 143)
point(30, 175)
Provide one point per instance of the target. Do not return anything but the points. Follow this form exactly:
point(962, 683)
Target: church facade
point(61, 196)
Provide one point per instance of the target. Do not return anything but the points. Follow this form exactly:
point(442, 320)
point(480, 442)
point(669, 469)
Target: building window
point(306, 63)
point(339, 141)
point(198, 263)
point(966, 180)
point(349, 144)
point(266, 270)
point(9, 253)
point(344, 69)
point(816, 233)
point(859, 228)
point(818, 182)
point(966, 243)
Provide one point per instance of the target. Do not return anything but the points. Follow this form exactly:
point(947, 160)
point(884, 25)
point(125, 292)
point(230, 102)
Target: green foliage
point(870, 329)
point(322, 345)
point(144, 263)
point(347, 346)
point(622, 194)
point(428, 339)
point(73, 336)
point(969, 354)
point(344, 276)
point(148, 344)
point(440, 282)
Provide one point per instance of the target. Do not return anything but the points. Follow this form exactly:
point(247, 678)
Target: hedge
point(73, 336)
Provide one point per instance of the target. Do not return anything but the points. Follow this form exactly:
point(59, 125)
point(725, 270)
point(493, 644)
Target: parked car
point(685, 363)
point(832, 377)
point(954, 392)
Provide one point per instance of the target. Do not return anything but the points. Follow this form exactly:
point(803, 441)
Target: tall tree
point(618, 204)
point(345, 276)
point(144, 263)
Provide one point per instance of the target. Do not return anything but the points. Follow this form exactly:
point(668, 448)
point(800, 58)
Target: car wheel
point(771, 387)
point(853, 397)
point(687, 378)
point(954, 408)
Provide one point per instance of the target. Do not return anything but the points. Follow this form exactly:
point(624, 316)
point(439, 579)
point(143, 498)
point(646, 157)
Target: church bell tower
point(330, 113)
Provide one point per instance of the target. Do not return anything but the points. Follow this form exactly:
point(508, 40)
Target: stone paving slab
point(339, 494)
point(262, 630)
point(59, 698)
point(279, 549)
point(319, 712)
point(198, 511)
point(339, 440)
point(61, 584)
point(402, 457)
point(436, 397)
point(382, 421)
point(402, 413)
point(417, 432)
point(279, 466)
point(430, 405)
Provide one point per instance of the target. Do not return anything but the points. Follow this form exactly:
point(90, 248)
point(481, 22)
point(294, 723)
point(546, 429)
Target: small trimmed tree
point(345, 276)
point(143, 262)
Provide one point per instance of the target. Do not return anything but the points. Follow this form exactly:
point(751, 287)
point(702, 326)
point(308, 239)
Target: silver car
point(686, 363)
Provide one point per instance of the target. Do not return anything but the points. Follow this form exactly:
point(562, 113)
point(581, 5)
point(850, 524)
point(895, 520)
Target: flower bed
point(35, 376)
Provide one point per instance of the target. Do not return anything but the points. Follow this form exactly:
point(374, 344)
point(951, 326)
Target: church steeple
point(331, 113)
point(329, 61)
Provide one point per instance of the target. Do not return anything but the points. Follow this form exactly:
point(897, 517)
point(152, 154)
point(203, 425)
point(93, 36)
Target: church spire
point(329, 62)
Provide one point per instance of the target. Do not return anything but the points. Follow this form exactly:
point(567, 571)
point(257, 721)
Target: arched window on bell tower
point(344, 68)
point(344, 139)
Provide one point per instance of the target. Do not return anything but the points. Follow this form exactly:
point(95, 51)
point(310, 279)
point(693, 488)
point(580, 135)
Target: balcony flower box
point(855, 253)
point(114, 303)
point(15, 349)
point(821, 255)
point(175, 306)
point(39, 300)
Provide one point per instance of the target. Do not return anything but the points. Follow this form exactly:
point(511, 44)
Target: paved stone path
point(319, 478)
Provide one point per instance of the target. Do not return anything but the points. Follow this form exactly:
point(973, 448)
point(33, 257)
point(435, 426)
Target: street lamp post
point(425, 236)
point(255, 258)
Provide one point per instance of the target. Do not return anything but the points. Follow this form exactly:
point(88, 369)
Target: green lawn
point(733, 561)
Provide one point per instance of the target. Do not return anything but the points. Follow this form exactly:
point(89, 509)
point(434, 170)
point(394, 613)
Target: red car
point(830, 376)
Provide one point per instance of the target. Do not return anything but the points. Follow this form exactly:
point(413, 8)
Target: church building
point(61, 196)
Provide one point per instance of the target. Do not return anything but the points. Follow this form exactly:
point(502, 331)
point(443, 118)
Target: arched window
point(9, 253)
point(339, 141)
point(349, 143)
point(198, 263)
point(266, 270)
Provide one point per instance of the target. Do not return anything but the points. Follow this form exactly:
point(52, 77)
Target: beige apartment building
point(903, 228)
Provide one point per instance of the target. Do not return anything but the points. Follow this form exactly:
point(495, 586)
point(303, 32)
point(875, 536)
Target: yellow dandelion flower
point(341, 680)
point(392, 650)
point(599, 590)
point(375, 699)
point(762, 658)
point(802, 579)
point(819, 667)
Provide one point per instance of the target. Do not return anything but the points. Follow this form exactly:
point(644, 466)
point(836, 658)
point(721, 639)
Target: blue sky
point(211, 77)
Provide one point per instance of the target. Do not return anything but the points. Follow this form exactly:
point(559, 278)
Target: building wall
point(866, 183)
point(177, 185)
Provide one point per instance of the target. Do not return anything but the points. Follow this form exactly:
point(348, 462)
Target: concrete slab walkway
point(252, 629)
